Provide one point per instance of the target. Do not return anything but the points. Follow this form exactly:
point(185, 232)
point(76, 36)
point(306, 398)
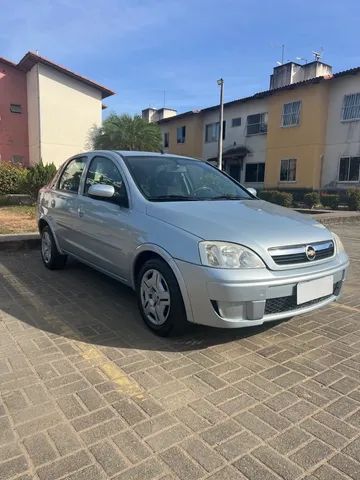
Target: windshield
point(166, 178)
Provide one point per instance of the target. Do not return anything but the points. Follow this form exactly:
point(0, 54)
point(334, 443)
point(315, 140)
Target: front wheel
point(159, 298)
point(49, 253)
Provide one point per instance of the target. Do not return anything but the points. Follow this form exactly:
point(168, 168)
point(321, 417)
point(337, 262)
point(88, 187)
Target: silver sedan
point(194, 244)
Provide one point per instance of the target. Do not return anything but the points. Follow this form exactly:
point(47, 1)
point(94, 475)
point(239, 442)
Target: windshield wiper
point(228, 197)
point(174, 198)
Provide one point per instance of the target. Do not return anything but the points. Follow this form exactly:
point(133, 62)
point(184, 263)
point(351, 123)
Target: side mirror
point(101, 190)
point(252, 191)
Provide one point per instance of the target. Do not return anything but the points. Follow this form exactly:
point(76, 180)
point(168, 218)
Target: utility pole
point(220, 82)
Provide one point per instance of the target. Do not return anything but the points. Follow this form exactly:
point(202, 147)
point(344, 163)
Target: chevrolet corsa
point(194, 244)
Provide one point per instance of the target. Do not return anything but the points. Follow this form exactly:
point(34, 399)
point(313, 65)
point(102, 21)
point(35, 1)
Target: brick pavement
point(86, 392)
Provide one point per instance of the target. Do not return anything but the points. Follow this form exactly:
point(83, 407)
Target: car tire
point(50, 255)
point(159, 299)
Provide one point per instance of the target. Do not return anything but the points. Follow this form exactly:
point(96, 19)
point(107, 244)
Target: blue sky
point(139, 48)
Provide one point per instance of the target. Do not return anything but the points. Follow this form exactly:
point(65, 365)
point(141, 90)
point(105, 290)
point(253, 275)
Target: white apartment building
point(320, 140)
point(47, 111)
point(341, 163)
point(244, 139)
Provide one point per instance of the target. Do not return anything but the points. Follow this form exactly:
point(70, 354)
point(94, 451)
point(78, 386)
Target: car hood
point(254, 223)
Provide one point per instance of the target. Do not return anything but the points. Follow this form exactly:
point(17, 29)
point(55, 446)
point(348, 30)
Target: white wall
point(297, 73)
point(166, 113)
point(68, 111)
point(32, 86)
point(149, 114)
point(342, 138)
point(255, 143)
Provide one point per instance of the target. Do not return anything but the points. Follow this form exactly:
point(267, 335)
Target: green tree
point(124, 132)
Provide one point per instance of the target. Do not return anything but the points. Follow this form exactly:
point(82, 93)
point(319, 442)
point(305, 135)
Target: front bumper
point(234, 298)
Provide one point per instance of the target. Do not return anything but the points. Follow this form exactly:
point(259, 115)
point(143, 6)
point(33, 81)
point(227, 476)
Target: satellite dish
point(317, 55)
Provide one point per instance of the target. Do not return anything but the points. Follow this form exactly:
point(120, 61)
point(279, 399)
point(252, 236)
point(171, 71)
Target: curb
point(23, 241)
point(331, 217)
point(337, 220)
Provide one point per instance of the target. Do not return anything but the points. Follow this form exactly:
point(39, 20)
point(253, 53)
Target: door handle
point(80, 212)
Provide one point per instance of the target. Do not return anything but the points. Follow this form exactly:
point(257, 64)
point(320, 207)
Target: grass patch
point(17, 219)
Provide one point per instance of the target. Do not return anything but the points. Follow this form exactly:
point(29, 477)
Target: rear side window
point(70, 177)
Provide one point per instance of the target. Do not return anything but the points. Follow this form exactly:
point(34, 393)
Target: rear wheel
point(159, 299)
point(49, 253)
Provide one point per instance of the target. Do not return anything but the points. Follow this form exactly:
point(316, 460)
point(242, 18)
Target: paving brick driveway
point(86, 392)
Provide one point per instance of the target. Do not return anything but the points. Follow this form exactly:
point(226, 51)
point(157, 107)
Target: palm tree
point(124, 132)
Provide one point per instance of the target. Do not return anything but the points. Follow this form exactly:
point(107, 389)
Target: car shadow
point(82, 304)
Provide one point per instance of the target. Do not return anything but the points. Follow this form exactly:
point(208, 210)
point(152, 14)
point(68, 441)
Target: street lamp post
point(220, 82)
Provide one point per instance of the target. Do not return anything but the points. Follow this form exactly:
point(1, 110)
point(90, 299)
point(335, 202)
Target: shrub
point(275, 196)
point(11, 178)
point(4, 201)
point(311, 199)
point(297, 193)
point(353, 199)
point(330, 200)
point(37, 177)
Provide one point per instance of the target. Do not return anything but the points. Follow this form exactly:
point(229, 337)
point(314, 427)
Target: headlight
point(339, 246)
point(228, 255)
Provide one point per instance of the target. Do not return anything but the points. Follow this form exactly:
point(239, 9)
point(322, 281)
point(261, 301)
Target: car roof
point(134, 153)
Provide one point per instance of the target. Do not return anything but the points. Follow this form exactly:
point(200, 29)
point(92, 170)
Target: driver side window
point(103, 170)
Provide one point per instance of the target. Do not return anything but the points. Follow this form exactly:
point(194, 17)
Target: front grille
point(297, 254)
point(287, 304)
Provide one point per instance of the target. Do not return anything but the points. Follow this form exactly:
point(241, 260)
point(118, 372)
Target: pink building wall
point(14, 138)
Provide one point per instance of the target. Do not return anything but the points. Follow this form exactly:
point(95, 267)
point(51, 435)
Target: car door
point(106, 223)
point(63, 208)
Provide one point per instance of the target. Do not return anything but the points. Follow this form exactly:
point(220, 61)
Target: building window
point(17, 160)
point(291, 114)
point(181, 134)
point(351, 107)
point(236, 122)
point(256, 124)
point(288, 170)
point(15, 108)
point(212, 132)
point(166, 139)
point(349, 169)
point(254, 172)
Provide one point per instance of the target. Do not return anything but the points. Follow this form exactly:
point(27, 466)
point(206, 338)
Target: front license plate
point(321, 287)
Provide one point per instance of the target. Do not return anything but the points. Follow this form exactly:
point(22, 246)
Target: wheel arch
point(148, 251)
point(42, 223)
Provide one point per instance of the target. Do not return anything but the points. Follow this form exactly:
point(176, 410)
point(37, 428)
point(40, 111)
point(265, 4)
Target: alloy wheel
point(155, 297)
point(46, 247)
